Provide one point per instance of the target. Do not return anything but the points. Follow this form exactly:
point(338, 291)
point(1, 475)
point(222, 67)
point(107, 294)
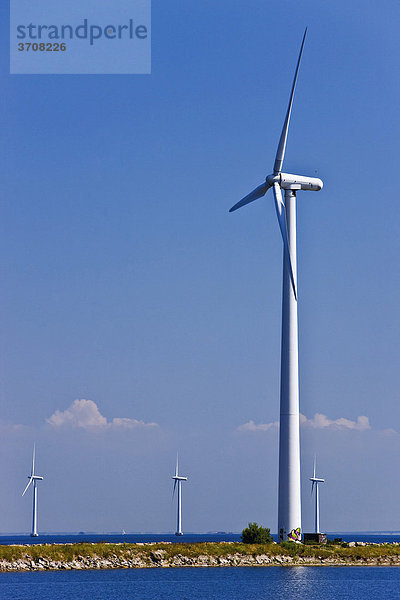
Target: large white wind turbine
point(316, 481)
point(33, 479)
point(289, 501)
point(178, 480)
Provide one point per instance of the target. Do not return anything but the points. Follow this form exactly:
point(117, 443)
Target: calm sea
point(277, 583)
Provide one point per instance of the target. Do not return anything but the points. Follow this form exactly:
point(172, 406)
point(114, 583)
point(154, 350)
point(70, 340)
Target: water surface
point(227, 583)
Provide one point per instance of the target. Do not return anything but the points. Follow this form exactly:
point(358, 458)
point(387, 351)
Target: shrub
point(255, 534)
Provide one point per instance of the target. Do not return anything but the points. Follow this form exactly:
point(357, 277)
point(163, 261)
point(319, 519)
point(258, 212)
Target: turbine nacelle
point(315, 480)
point(32, 477)
point(299, 182)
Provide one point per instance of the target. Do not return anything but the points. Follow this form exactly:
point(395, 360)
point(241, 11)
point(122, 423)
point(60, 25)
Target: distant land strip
point(52, 557)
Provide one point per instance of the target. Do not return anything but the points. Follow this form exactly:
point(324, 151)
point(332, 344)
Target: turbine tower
point(315, 481)
point(289, 501)
point(178, 480)
point(33, 479)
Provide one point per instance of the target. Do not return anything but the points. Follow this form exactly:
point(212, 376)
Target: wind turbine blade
point(173, 493)
point(280, 153)
point(260, 191)
point(312, 487)
point(33, 460)
point(29, 483)
point(315, 459)
point(177, 465)
point(281, 214)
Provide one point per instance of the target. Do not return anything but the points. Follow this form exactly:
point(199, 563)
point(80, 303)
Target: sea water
point(187, 538)
point(224, 583)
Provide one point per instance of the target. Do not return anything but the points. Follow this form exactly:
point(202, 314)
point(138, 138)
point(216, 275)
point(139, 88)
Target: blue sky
point(126, 283)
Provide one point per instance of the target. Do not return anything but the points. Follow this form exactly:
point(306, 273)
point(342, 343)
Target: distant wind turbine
point(289, 500)
point(33, 479)
point(316, 481)
point(178, 480)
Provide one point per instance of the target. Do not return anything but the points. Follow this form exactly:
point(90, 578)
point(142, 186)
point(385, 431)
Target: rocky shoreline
point(142, 556)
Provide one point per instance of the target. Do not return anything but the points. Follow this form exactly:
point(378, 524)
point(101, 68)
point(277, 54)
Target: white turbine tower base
point(178, 480)
point(289, 498)
point(289, 489)
point(33, 479)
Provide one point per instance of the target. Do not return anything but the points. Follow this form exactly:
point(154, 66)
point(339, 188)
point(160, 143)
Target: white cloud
point(86, 414)
point(11, 427)
point(251, 426)
point(319, 421)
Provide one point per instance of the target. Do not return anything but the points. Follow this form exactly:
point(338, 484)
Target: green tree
point(255, 534)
